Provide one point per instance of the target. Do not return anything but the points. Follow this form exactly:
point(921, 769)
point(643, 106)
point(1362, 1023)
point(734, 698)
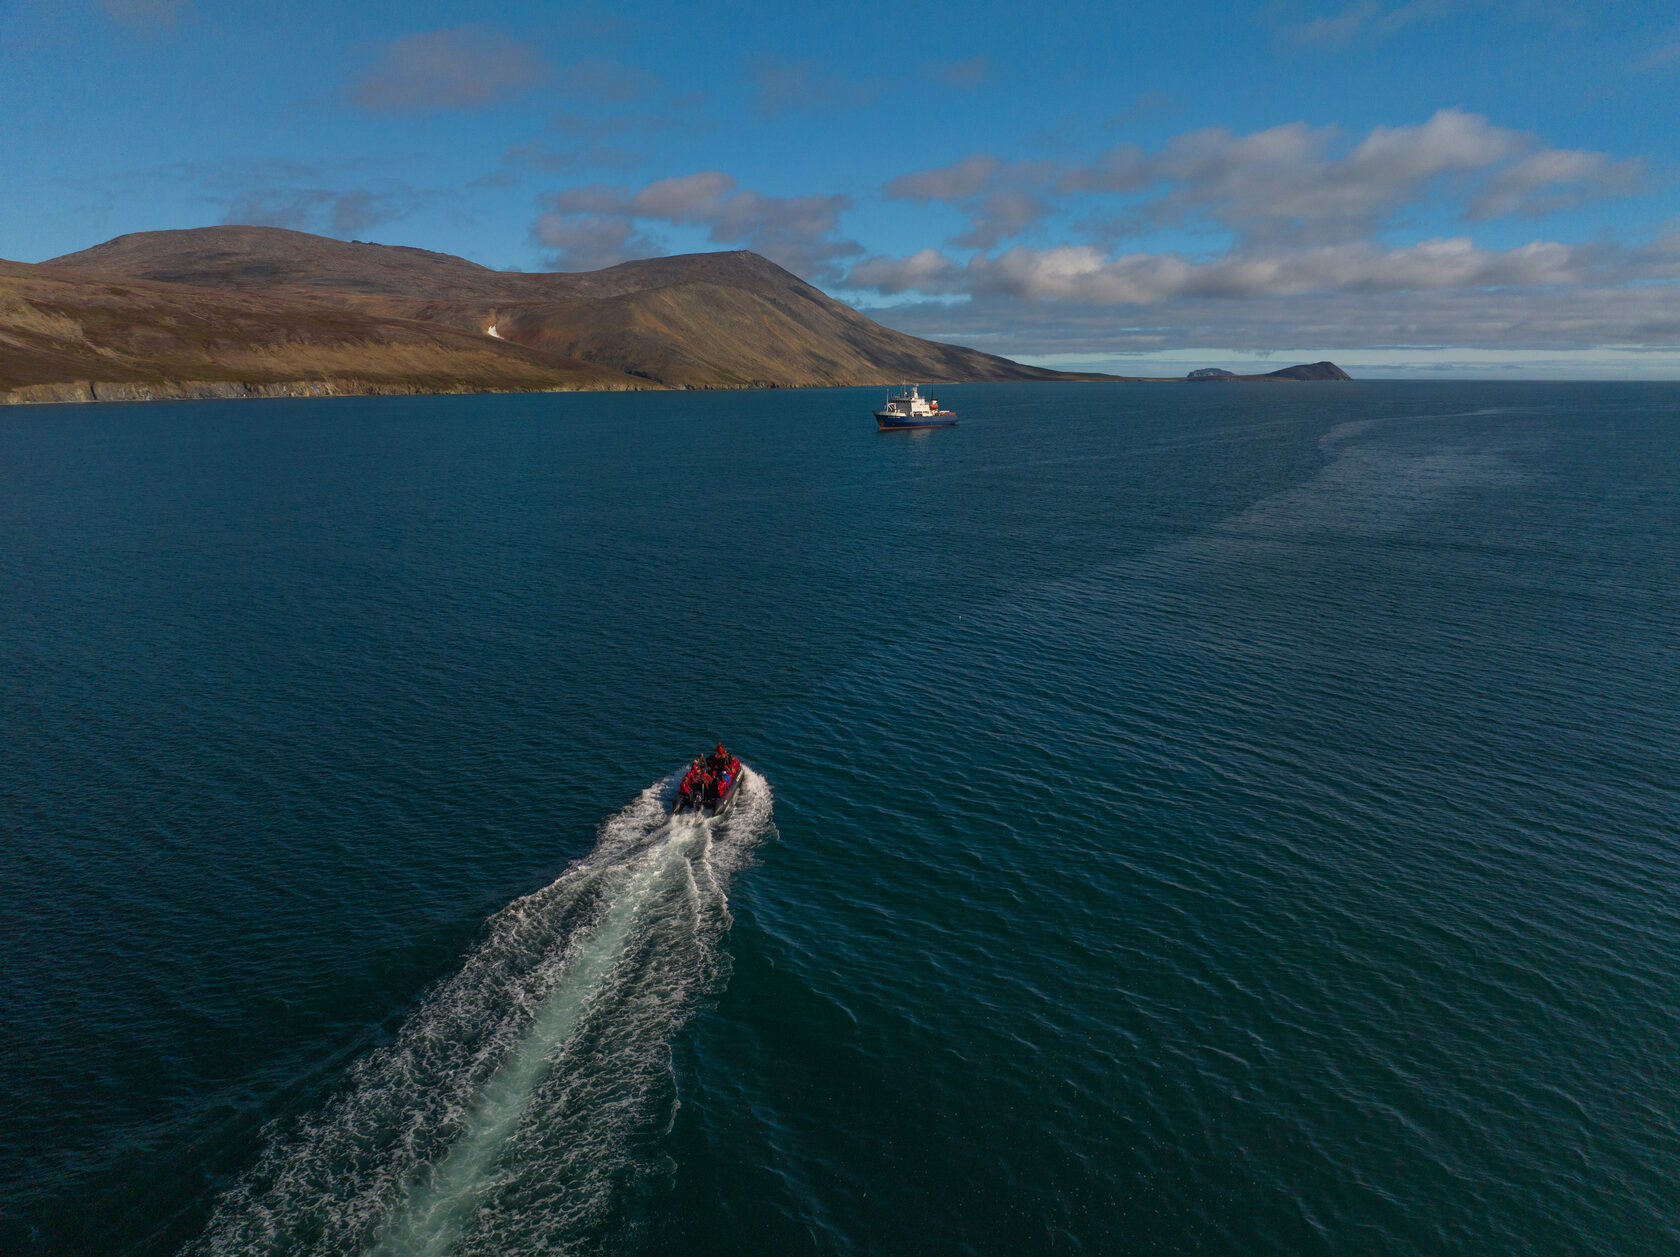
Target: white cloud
point(1661, 55)
point(1082, 274)
point(1291, 182)
point(799, 232)
point(1363, 18)
point(928, 271)
point(1283, 179)
point(783, 87)
point(1554, 179)
point(1296, 222)
point(1451, 140)
point(341, 212)
point(1336, 28)
point(1002, 200)
point(464, 68)
point(958, 181)
point(587, 242)
point(1643, 317)
point(1295, 219)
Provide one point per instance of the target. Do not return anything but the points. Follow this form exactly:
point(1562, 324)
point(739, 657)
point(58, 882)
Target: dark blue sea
point(1227, 819)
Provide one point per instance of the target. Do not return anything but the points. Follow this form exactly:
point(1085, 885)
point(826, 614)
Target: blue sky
point(1423, 187)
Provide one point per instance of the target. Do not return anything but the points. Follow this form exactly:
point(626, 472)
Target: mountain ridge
point(263, 311)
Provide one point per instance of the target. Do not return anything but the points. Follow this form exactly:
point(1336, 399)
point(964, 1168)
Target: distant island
point(266, 312)
point(1306, 371)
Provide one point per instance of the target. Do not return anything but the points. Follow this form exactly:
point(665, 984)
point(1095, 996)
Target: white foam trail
point(502, 1117)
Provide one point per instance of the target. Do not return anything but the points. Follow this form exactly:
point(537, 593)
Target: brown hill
point(266, 258)
point(231, 311)
point(220, 309)
point(746, 322)
point(64, 337)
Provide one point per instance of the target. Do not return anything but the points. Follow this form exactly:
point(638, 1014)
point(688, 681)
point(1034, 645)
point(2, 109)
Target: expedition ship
point(909, 409)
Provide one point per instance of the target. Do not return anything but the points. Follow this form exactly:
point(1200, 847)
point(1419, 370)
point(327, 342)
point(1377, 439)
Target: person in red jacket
point(694, 780)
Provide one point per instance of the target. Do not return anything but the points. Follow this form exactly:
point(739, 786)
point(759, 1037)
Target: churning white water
point(502, 1117)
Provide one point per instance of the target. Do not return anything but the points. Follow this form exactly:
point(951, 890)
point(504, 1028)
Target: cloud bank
point(1292, 236)
point(1289, 181)
point(1295, 221)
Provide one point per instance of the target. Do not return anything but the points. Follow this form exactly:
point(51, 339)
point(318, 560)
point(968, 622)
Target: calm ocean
point(1228, 819)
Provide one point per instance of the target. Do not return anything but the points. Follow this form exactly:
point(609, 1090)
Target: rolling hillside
point(260, 311)
point(232, 310)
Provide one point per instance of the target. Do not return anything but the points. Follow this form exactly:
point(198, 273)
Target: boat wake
point(516, 1102)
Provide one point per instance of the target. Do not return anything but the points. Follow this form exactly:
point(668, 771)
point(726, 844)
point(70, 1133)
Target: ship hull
point(895, 423)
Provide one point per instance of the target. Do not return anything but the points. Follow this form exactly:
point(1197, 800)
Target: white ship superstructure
point(907, 408)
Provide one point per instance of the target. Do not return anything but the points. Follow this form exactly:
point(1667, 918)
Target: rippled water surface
point(1226, 819)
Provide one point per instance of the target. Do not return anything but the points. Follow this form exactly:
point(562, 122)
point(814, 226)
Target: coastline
point(84, 392)
point(237, 311)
